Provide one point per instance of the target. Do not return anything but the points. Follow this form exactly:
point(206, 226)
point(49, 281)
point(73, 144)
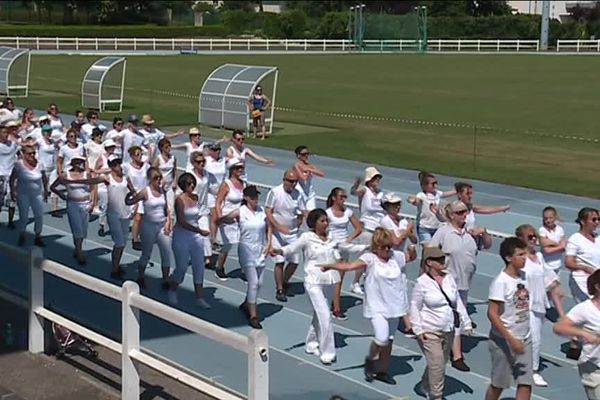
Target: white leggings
point(536, 322)
point(384, 329)
point(186, 245)
point(26, 201)
point(254, 276)
point(78, 216)
point(151, 233)
point(320, 332)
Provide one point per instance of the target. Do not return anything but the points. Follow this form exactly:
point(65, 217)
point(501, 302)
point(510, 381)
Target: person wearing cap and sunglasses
point(255, 234)
point(101, 191)
point(77, 182)
point(435, 309)
point(240, 151)
point(384, 301)
point(229, 199)
point(196, 144)
point(29, 189)
point(461, 253)
point(369, 197)
point(285, 210)
point(401, 230)
point(305, 171)
point(258, 103)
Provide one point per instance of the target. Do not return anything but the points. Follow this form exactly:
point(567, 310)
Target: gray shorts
point(508, 367)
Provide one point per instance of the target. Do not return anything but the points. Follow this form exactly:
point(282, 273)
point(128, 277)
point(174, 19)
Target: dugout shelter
point(103, 84)
point(14, 71)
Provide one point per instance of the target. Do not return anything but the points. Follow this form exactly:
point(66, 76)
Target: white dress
point(253, 237)
point(230, 233)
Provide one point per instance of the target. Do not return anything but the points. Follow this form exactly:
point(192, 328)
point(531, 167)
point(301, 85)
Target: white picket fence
point(255, 345)
point(70, 44)
point(578, 46)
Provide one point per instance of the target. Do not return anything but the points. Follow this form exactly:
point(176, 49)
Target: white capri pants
point(78, 217)
point(119, 229)
point(320, 332)
point(153, 233)
point(254, 276)
point(35, 202)
point(186, 245)
point(536, 322)
point(204, 223)
point(384, 329)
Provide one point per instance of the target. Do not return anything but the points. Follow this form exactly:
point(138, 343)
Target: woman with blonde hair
point(384, 300)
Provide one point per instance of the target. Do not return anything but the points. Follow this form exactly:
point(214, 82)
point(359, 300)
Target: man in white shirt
point(285, 208)
point(508, 312)
point(8, 158)
point(132, 137)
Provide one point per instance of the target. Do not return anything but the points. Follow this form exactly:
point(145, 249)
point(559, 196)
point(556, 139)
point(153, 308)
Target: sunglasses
point(119, 123)
point(200, 161)
point(157, 178)
point(386, 247)
point(461, 212)
point(294, 181)
point(304, 153)
point(240, 139)
point(532, 236)
point(595, 219)
point(344, 196)
point(30, 153)
point(137, 154)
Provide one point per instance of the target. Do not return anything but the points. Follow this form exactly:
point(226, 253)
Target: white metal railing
point(578, 46)
point(255, 345)
point(258, 44)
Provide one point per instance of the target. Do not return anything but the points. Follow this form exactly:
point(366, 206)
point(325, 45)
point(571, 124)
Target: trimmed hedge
point(139, 31)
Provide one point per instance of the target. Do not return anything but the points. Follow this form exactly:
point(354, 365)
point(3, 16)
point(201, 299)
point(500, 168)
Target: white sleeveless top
point(117, 191)
point(93, 151)
point(166, 168)
point(202, 186)
point(138, 176)
point(189, 149)
point(29, 181)
point(191, 214)
point(253, 237)
point(306, 187)
point(47, 154)
point(240, 155)
point(338, 226)
point(66, 152)
point(371, 211)
point(103, 162)
point(78, 191)
point(233, 200)
point(155, 207)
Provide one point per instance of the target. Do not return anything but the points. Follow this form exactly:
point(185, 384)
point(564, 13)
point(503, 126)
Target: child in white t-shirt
point(508, 311)
point(552, 239)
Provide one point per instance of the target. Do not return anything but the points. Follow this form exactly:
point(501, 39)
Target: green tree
point(333, 25)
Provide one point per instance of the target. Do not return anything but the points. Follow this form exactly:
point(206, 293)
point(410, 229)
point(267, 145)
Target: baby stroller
point(68, 341)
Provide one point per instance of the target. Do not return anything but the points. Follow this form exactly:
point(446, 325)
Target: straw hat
point(147, 119)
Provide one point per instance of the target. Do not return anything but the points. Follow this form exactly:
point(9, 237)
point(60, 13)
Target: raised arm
point(345, 266)
point(258, 158)
point(357, 189)
point(478, 209)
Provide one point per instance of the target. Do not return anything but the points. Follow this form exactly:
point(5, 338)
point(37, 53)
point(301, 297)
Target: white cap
point(370, 173)
point(234, 162)
point(391, 198)
point(11, 123)
point(194, 131)
point(109, 143)
point(77, 158)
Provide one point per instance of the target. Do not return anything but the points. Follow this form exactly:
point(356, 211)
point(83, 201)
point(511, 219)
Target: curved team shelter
point(224, 96)
point(103, 84)
point(14, 71)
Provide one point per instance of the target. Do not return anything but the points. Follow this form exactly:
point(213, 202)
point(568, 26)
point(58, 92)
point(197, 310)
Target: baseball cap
point(133, 119)
point(46, 128)
point(109, 143)
point(113, 160)
point(234, 162)
point(251, 191)
point(391, 198)
point(432, 252)
point(215, 146)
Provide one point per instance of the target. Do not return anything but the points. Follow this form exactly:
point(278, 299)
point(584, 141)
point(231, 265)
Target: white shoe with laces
point(538, 380)
point(356, 289)
point(312, 349)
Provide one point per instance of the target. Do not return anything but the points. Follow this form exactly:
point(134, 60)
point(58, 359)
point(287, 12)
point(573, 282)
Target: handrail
point(255, 345)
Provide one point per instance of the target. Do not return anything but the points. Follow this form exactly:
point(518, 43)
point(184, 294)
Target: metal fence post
point(258, 365)
point(36, 300)
point(130, 336)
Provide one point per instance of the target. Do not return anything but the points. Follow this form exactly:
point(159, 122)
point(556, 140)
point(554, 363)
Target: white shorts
point(384, 329)
point(280, 240)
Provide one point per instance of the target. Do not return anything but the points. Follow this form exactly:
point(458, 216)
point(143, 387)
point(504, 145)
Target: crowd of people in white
point(128, 177)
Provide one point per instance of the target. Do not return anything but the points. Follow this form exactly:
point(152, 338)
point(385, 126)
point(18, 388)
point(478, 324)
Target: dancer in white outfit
point(156, 226)
point(101, 192)
point(216, 166)
point(167, 164)
point(464, 191)
point(118, 213)
point(69, 150)
point(194, 145)
point(254, 243)
point(540, 280)
point(188, 240)
point(341, 218)
point(384, 301)
point(8, 158)
point(305, 171)
point(552, 239)
point(116, 134)
point(229, 199)
point(239, 151)
point(318, 248)
point(137, 171)
point(29, 188)
point(47, 150)
point(369, 198)
point(205, 182)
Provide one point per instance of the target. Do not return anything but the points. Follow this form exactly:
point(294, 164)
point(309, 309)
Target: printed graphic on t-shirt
point(521, 301)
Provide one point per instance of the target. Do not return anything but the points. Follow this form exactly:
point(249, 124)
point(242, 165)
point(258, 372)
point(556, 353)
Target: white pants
point(203, 223)
point(102, 204)
point(536, 322)
point(188, 245)
point(78, 217)
point(254, 276)
point(384, 329)
point(119, 229)
point(150, 234)
point(320, 332)
point(35, 202)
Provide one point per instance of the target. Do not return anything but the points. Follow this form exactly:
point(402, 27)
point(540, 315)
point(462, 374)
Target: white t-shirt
point(585, 252)
point(94, 151)
point(153, 135)
point(316, 252)
point(286, 207)
point(218, 170)
point(371, 211)
point(554, 260)
point(117, 137)
point(338, 226)
point(587, 316)
point(67, 152)
point(253, 237)
point(539, 278)
point(384, 288)
point(8, 157)
point(514, 295)
point(425, 217)
point(388, 223)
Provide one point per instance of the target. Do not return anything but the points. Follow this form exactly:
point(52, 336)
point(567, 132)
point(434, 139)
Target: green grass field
point(536, 116)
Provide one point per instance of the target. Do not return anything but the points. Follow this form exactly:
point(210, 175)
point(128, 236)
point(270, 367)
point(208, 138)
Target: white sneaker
point(172, 295)
point(312, 349)
point(327, 360)
point(203, 304)
point(539, 380)
point(356, 289)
